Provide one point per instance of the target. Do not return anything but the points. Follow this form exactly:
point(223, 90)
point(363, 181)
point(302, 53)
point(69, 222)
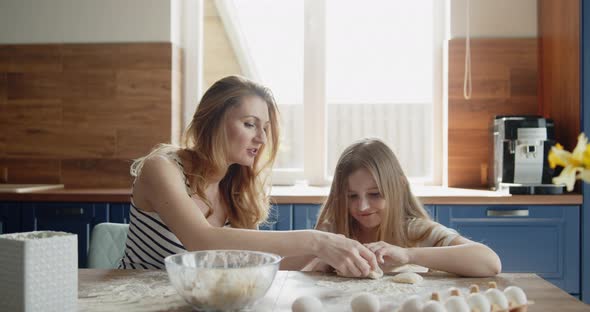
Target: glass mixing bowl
point(226, 280)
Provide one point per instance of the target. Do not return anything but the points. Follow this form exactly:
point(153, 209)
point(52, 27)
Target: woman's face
point(246, 128)
point(366, 203)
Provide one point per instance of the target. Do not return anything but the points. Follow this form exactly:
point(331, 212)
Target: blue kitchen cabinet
point(305, 216)
point(280, 218)
point(431, 211)
point(119, 212)
point(77, 218)
point(10, 217)
point(537, 239)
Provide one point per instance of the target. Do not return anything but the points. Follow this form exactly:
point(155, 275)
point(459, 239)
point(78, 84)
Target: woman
point(209, 194)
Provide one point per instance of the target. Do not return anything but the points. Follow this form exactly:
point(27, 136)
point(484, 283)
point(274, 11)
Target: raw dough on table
point(374, 274)
point(407, 278)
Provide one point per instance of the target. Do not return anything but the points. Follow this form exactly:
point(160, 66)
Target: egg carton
point(512, 299)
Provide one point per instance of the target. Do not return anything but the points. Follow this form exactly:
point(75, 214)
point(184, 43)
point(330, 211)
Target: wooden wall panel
point(23, 170)
point(559, 37)
point(101, 173)
point(504, 79)
point(78, 113)
point(33, 58)
point(3, 113)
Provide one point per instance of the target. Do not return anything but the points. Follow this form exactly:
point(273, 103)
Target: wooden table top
point(150, 290)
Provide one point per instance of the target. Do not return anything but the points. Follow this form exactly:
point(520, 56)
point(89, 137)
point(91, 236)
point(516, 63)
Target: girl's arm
point(163, 188)
point(463, 257)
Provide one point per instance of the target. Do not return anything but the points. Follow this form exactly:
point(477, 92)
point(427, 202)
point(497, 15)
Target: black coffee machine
point(521, 145)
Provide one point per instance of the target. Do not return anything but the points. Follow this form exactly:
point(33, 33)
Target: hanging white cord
point(467, 87)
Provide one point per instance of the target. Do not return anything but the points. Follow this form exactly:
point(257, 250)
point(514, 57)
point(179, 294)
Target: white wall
point(71, 21)
point(494, 18)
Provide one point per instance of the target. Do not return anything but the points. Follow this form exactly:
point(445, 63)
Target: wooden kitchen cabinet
point(77, 218)
point(534, 239)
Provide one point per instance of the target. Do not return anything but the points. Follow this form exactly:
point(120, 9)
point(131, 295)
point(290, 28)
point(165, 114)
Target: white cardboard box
point(38, 271)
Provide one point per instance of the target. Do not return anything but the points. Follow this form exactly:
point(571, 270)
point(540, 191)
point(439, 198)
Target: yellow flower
point(578, 153)
point(558, 157)
point(568, 177)
point(576, 164)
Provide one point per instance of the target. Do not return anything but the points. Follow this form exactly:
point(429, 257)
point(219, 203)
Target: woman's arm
point(161, 184)
point(307, 262)
point(463, 257)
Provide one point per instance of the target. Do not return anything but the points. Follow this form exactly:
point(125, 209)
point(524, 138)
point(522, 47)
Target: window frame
point(314, 171)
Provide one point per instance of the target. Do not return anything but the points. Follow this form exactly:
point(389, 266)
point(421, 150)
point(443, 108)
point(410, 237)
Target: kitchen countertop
point(429, 195)
point(150, 290)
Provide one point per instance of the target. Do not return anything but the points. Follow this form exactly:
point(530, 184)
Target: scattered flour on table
point(149, 291)
point(381, 287)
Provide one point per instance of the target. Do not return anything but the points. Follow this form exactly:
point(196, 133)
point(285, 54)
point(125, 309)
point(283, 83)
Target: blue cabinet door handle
point(68, 211)
point(507, 213)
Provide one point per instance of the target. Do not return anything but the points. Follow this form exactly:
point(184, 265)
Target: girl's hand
point(389, 255)
point(347, 256)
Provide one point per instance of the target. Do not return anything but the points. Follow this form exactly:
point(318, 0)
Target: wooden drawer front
point(539, 239)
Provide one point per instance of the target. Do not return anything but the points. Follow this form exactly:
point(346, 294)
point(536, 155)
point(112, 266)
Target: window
point(342, 70)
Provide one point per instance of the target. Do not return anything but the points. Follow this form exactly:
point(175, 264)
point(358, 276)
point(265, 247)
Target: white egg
point(495, 296)
point(433, 306)
point(479, 302)
point(453, 291)
point(515, 295)
point(365, 302)
point(457, 304)
point(412, 304)
point(307, 304)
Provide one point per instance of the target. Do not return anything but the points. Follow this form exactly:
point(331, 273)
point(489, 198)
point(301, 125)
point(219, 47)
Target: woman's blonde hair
point(401, 205)
point(242, 188)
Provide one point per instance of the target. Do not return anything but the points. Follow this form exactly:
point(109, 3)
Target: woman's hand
point(389, 255)
point(347, 256)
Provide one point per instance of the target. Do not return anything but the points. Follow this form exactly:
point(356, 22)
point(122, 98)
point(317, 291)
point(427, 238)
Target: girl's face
point(246, 127)
point(366, 203)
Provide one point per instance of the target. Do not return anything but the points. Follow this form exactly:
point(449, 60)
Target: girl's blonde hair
point(401, 205)
point(242, 188)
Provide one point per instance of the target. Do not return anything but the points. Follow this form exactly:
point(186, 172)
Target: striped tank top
point(149, 240)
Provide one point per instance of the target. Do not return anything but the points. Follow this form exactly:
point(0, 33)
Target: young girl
point(209, 193)
point(370, 201)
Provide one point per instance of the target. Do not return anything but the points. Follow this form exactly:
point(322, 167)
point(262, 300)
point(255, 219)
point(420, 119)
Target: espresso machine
point(521, 145)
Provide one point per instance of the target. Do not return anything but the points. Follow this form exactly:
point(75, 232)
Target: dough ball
point(515, 295)
point(365, 302)
point(433, 306)
point(457, 304)
point(412, 304)
point(375, 274)
point(496, 297)
point(407, 278)
point(479, 302)
point(307, 304)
